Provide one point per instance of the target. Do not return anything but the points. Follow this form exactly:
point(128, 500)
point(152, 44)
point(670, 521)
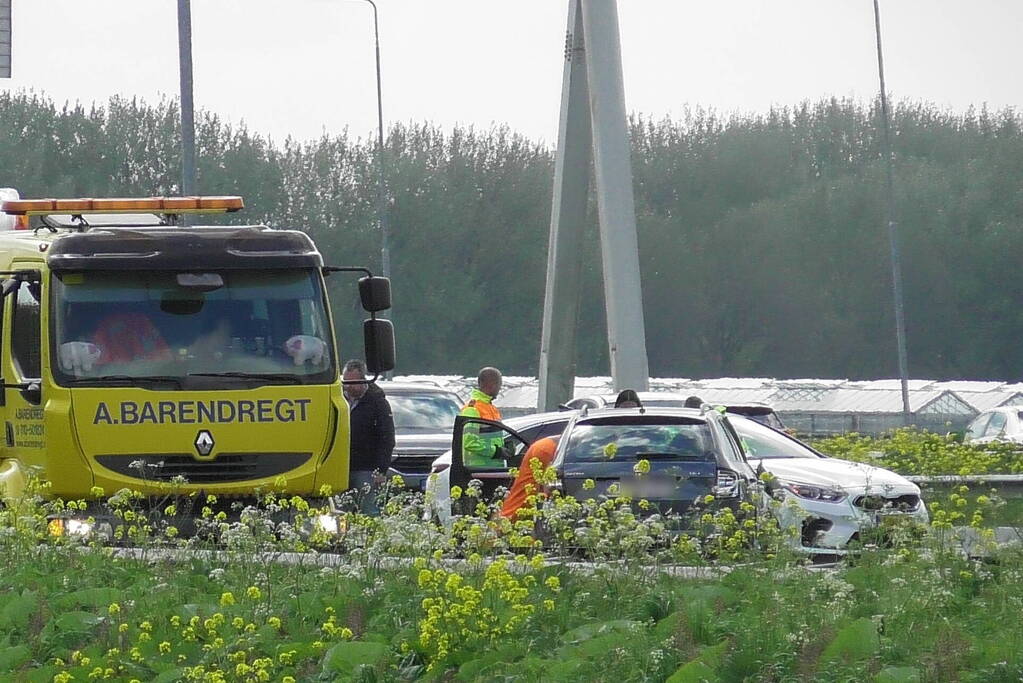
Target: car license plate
point(651, 488)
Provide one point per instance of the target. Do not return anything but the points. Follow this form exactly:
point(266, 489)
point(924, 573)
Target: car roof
point(526, 421)
point(648, 411)
point(658, 396)
point(644, 396)
point(413, 388)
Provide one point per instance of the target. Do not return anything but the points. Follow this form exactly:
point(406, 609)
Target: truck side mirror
point(375, 293)
point(33, 393)
point(378, 338)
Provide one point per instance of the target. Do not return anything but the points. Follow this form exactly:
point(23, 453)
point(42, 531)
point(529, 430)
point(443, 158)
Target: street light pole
point(385, 247)
point(187, 105)
point(893, 231)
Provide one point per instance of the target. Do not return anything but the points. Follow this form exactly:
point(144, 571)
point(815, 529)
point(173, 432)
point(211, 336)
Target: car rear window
point(634, 438)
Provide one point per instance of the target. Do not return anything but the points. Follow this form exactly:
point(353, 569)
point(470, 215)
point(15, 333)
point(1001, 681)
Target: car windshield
point(135, 324)
point(763, 443)
point(648, 437)
point(423, 412)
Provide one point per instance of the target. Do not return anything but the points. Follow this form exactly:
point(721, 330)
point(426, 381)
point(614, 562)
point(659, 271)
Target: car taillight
point(727, 485)
point(438, 468)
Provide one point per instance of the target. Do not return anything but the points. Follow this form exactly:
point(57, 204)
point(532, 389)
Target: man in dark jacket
point(372, 435)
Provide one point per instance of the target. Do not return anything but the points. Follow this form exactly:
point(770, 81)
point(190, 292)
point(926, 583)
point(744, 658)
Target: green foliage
point(853, 643)
point(913, 451)
point(349, 659)
point(72, 610)
point(762, 237)
point(702, 668)
point(898, 674)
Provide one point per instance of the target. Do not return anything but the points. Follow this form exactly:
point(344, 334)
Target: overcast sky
point(302, 67)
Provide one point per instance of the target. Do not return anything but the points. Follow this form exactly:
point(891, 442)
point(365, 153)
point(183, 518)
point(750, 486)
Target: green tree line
point(763, 237)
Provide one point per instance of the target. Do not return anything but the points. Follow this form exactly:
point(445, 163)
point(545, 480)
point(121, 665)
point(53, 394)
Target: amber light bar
point(165, 205)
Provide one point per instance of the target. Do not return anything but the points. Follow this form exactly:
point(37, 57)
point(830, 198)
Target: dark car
point(424, 415)
point(691, 453)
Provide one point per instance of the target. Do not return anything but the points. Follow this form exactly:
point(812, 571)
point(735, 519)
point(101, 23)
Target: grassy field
point(486, 601)
point(900, 614)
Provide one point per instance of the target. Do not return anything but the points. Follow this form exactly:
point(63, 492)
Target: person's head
point(354, 370)
point(489, 381)
point(694, 402)
point(628, 398)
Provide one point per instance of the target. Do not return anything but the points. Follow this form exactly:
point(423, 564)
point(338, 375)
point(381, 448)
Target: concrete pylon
point(593, 128)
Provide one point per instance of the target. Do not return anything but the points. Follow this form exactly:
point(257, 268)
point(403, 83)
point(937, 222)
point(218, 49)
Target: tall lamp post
point(187, 109)
point(385, 246)
point(893, 230)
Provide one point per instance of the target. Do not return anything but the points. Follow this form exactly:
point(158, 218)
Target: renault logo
point(204, 443)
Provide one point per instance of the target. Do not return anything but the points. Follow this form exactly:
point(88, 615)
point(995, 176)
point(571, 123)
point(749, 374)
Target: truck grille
point(226, 467)
point(905, 503)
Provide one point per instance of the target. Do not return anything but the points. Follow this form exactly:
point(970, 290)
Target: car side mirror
point(378, 340)
point(375, 293)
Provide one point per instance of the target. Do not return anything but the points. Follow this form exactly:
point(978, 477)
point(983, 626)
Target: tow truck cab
point(138, 354)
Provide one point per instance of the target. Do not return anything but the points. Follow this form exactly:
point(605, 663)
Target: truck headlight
point(810, 492)
point(66, 526)
point(328, 524)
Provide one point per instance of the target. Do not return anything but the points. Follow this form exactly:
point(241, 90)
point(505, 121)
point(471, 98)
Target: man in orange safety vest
point(483, 445)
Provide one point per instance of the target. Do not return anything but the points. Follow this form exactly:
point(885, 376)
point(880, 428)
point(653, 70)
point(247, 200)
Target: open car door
point(484, 450)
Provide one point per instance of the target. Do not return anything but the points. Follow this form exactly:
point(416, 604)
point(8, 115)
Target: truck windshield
point(117, 326)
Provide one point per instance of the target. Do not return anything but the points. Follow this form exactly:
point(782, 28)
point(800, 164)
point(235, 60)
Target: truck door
point(508, 448)
point(24, 436)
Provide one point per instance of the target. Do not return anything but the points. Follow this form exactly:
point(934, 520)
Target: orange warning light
point(165, 205)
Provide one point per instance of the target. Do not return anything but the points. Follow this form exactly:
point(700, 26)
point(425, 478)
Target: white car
point(998, 424)
point(438, 485)
point(837, 499)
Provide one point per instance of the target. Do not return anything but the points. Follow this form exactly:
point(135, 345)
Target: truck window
point(25, 340)
point(160, 323)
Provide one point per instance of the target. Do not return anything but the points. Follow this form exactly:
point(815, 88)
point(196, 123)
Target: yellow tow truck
point(137, 353)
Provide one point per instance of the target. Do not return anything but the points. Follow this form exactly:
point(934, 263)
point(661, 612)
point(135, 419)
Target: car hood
point(832, 472)
point(422, 444)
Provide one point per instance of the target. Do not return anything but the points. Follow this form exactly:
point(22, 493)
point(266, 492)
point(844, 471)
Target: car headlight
point(810, 492)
